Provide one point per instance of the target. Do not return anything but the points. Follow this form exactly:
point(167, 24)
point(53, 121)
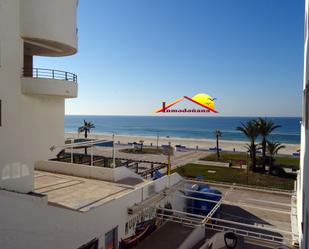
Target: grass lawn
point(241, 158)
point(235, 158)
point(287, 161)
point(144, 151)
point(232, 175)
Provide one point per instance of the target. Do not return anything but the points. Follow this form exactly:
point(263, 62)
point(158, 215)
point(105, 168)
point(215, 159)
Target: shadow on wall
point(14, 171)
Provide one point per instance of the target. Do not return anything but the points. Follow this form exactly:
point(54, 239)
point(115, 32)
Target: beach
point(197, 128)
point(203, 144)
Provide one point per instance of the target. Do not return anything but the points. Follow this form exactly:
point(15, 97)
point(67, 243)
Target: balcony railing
point(49, 74)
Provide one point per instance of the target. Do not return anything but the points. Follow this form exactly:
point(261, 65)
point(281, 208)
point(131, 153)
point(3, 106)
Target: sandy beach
point(227, 145)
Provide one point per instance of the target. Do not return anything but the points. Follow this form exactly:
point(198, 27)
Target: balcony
point(39, 81)
point(49, 27)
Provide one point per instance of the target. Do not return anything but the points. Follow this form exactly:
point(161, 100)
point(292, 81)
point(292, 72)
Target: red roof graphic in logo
point(201, 99)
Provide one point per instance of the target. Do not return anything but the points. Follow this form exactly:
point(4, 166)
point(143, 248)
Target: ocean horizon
point(183, 126)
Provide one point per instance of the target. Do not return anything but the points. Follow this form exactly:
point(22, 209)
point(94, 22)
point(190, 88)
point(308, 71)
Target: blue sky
point(135, 54)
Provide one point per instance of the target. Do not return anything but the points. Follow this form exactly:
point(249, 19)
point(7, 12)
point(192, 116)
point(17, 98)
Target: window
point(111, 239)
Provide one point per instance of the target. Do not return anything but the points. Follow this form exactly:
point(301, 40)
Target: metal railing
point(90, 143)
point(242, 186)
point(266, 236)
point(220, 225)
point(49, 74)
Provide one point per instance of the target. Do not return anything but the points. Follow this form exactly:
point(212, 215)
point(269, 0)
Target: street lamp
point(157, 140)
point(169, 153)
point(114, 152)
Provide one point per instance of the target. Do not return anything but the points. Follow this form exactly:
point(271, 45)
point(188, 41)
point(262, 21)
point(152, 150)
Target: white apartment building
point(303, 177)
point(32, 99)
point(65, 211)
point(48, 204)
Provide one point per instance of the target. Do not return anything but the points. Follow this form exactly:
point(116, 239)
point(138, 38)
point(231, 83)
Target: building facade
point(302, 182)
point(32, 99)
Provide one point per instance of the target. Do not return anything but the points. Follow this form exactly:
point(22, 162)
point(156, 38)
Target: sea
point(183, 127)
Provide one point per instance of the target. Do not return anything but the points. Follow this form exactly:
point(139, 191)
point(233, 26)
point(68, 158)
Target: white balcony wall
point(16, 171)
point(99, 173)
point(31, 124)
point(50, 23)
point(51, 87)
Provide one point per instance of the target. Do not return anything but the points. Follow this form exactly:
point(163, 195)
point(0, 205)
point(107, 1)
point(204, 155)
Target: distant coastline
point(194, 128)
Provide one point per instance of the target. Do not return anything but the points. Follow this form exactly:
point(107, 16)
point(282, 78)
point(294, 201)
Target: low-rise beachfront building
point(81, 207)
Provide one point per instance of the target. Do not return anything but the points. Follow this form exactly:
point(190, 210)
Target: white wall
point(99, 173)
point(50, 22)
point(123, 172)
point(15, 170)
point(51, 87)
point(31, 124)
point(303, 184)
point(27, 222)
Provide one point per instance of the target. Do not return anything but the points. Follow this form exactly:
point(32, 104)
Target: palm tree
point(272, 149)
point(218, 134)
point(250, 129)
point(265, 128)
point(86, 129)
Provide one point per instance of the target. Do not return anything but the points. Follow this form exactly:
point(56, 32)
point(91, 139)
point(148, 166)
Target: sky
point(132, 55)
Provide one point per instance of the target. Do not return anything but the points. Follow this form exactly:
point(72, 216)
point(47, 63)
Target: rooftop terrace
point(77, 193)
